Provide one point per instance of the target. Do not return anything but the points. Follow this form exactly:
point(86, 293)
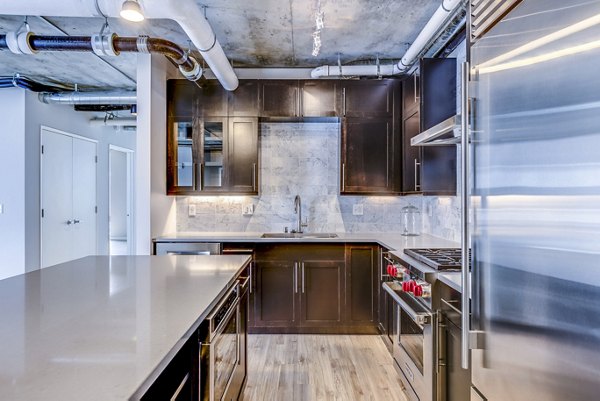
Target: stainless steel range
point(415, 320)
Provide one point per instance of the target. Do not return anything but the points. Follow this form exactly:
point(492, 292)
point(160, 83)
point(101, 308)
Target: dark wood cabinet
point(210, 99)
point(244, 101)
point(361, 276)
point(316, 288)
point(438, 103)
point(370, 156)
point(411, 94)
point(276, 294)
point(411, 155)
point(319, 99)
point(242, 155)
point(279, 98)
point(368, 98)
point(322, 292)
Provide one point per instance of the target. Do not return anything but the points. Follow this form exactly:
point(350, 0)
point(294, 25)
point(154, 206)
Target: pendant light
point(131, 11)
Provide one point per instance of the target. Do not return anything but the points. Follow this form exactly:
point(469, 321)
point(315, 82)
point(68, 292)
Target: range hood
point(447, 132)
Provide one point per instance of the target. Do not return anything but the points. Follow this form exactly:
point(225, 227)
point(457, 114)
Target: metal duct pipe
point(107, 45)
point(108, 97)
point(186, 13)
point(441, 17)
point(26, 83)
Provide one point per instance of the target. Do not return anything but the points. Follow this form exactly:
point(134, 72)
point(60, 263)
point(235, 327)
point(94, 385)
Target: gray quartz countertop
point(97, 328)
point(391, 241)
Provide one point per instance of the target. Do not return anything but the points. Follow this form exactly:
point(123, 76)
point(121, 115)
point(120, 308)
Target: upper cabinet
point(438, 103)
point(319, 99)
point(368, 98)
point(244, 101)
point(411, 94)
point(210, 99)
point(279, 98)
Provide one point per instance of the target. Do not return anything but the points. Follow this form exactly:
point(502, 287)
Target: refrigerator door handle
point(464, 213)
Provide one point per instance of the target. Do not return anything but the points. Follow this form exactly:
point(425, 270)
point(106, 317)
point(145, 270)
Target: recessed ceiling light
point(131, 11)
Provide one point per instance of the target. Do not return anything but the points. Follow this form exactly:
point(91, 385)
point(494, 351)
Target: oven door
point(221, 356)
point(413, 350)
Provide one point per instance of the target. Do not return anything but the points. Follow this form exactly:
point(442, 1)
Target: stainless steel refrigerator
point(535, 201)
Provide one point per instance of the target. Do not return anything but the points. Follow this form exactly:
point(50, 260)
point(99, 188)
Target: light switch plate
point(357, 210)
point(248, 210)
point(192, 210)
point(1, 208)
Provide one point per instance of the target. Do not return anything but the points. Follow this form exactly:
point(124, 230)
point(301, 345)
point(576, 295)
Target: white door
point(57, 199)
point(84, 198)
point(68, 198)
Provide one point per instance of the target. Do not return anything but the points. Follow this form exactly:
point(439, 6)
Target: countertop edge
point(145, 385)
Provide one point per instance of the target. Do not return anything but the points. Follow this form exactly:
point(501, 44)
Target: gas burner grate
point(437, 258)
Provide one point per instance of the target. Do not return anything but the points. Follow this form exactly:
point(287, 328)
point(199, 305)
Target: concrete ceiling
point(257, 33)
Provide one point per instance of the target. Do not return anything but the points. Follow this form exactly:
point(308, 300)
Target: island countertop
point(99, 327)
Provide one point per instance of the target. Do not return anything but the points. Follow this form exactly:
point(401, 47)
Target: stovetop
point(437, 258)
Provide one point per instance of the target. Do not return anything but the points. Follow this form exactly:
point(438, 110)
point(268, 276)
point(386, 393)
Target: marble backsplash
point(303, 159)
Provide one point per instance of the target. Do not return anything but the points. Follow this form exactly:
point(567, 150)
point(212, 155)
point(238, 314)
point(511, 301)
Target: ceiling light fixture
point(131, 11)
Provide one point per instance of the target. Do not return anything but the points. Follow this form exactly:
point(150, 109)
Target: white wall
point(12, 182)
point(118, 194)
point(154, 211)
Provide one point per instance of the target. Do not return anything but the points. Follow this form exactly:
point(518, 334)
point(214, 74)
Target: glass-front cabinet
point(205, 155)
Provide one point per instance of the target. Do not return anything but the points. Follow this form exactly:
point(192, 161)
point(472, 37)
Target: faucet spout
point(298, 210)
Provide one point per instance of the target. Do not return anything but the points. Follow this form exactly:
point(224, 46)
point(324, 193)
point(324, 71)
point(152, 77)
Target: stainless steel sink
point(299, 235)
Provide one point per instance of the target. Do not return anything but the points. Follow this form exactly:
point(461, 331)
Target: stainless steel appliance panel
point(187, 248)
point(536, 197)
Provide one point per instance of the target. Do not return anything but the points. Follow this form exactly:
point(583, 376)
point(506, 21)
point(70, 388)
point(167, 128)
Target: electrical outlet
point(192, 210)
point(248, 210)
point(357, 210)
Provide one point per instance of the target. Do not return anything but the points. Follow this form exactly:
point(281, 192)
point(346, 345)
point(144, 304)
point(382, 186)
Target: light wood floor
point(320, 367)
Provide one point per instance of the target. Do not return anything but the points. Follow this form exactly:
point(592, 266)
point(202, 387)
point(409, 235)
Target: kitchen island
point(104, 328)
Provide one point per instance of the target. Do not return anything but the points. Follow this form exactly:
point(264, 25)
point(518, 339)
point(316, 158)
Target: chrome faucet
point(298, 210)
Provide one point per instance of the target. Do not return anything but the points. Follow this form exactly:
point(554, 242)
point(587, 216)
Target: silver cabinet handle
point(253, 176)
point(343, 101)
point(200, 178)
point(343, 177)
point(296, 277)
point(415, 87)
point(69, 222)
point(301, 102)
point(251, 282)
point(194, 175)
point(76, 221)
point(302, 264)
point(417, 185)
point(464, 214)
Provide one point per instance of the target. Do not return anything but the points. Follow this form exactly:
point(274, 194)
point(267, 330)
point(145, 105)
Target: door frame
point(130, 165)
point(41, 205)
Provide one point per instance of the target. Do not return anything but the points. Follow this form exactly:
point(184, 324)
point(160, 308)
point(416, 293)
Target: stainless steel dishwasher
point(187, 248)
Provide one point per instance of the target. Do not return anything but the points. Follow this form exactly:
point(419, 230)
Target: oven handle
point(421, 318)
point(219, 330)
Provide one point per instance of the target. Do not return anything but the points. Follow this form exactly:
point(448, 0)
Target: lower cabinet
point(320, 288)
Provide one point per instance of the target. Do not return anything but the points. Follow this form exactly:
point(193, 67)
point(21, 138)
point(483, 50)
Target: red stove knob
point(405, 286)
point(389, 269)
point(418, 290)
point(411, 285)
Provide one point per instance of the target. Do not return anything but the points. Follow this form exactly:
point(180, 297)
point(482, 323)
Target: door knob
point(76, 221)
point(69, 222)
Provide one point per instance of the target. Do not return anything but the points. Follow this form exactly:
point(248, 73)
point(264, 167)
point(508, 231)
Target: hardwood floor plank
point(294, 367)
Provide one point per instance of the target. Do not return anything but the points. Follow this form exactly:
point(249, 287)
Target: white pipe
point(433, 26)
point(114, 122)
point(108, 97)
point(267, 73)
point(185, 12)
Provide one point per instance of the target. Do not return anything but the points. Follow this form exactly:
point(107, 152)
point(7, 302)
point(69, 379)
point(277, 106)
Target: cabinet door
point(276, 293)
point(361, 276)
point(210, 99)
point(182, 156)
point(279, 99)
point(411, 155)
point(211, 132)
point(411, 95)
point(373, 98)
point(244, 101)
point(319, 99)
point(180, 98)
point(368, 156)
point(242, 159)
point(322, 293)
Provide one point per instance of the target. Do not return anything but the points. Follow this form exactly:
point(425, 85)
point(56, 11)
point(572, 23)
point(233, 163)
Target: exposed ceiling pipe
point(186, 13)
point(441, 17)
point(18, 81)
point(114, 122)
point(95, 98)
point(102, 45)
